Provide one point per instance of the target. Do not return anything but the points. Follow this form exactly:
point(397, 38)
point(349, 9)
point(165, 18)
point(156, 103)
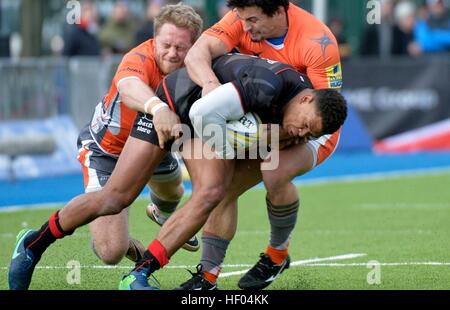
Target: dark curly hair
point(269, 7)
point(332, 106)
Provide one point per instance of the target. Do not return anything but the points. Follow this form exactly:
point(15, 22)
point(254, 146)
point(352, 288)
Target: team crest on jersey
point(324, 42)
point(334, 76)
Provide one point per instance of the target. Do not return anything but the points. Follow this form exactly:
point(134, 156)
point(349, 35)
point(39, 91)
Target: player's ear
point(280, 11)
point(307, 98)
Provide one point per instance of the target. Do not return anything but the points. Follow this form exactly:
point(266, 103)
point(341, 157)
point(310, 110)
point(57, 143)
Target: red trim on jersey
point(166, 91)
point(285, 69)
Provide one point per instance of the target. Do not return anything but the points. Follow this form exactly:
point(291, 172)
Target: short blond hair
point(180, 15)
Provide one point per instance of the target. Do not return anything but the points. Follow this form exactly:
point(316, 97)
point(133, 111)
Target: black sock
point(38, 241)
point(149, 262)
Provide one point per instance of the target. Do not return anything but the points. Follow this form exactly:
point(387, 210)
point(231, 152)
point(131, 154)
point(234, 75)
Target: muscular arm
point(199, 59)
point(135, 93)
point(209, 116)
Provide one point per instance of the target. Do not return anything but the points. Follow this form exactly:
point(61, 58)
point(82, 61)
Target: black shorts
point(143, 129)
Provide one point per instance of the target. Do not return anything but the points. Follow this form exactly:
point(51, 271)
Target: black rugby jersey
point(265, 86)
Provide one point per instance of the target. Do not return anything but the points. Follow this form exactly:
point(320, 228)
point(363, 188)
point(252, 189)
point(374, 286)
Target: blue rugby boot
point(22, 264)
point(138, 280)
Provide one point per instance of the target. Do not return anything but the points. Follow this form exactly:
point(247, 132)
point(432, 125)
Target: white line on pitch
point(300, 262)
point(381, 264)
point(248, 265)
point(347, 256)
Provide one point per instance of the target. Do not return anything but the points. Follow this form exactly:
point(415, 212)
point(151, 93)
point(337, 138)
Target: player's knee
point(274, 182)
point(214, 195)
point(170, 192)
point(112, 258)
point(108, 253)
point(210, 196)
point(175, 193)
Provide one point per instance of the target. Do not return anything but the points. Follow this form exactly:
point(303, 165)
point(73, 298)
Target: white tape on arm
point(155, 108)
point(215, 109)
point(158, 107)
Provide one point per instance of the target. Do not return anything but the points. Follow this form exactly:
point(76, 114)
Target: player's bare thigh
point(134, 168)
point(222, 222)
point(206, 171)
point(247, 173)
point(293, 161)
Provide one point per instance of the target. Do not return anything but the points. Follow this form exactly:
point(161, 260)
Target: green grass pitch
point(402, 223)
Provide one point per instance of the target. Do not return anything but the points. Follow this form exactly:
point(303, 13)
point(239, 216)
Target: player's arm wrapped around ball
point(209, 116)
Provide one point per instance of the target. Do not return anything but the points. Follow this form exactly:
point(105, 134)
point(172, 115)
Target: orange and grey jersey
point(113, 120)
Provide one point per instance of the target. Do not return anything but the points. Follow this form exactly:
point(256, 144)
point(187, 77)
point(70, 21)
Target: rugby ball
point(243, 134)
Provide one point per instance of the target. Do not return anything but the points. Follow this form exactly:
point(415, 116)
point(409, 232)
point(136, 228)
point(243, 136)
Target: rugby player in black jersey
point(275, 91)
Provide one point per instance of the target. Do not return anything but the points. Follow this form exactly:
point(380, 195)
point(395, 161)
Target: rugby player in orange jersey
point(280, 31)
point(103, 140)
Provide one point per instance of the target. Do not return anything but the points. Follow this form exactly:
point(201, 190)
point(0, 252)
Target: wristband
point(148, 102)
point(158, 107)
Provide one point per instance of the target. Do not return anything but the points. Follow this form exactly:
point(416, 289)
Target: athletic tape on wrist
point(158, 107)
point(148, 102)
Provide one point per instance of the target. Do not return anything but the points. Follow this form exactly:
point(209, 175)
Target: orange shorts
point(323, 147)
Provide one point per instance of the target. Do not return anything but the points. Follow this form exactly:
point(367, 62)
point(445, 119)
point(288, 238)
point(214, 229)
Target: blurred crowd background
point(39, 27)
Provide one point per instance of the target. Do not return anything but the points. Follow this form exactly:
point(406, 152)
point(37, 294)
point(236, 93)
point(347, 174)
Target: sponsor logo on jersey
point(129, 69)
point(217, 30)
point(334, 76)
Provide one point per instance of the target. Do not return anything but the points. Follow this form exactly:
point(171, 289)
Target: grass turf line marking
point(347, 256)
point(381, 264)
point(300, 262)
point(248, 265)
